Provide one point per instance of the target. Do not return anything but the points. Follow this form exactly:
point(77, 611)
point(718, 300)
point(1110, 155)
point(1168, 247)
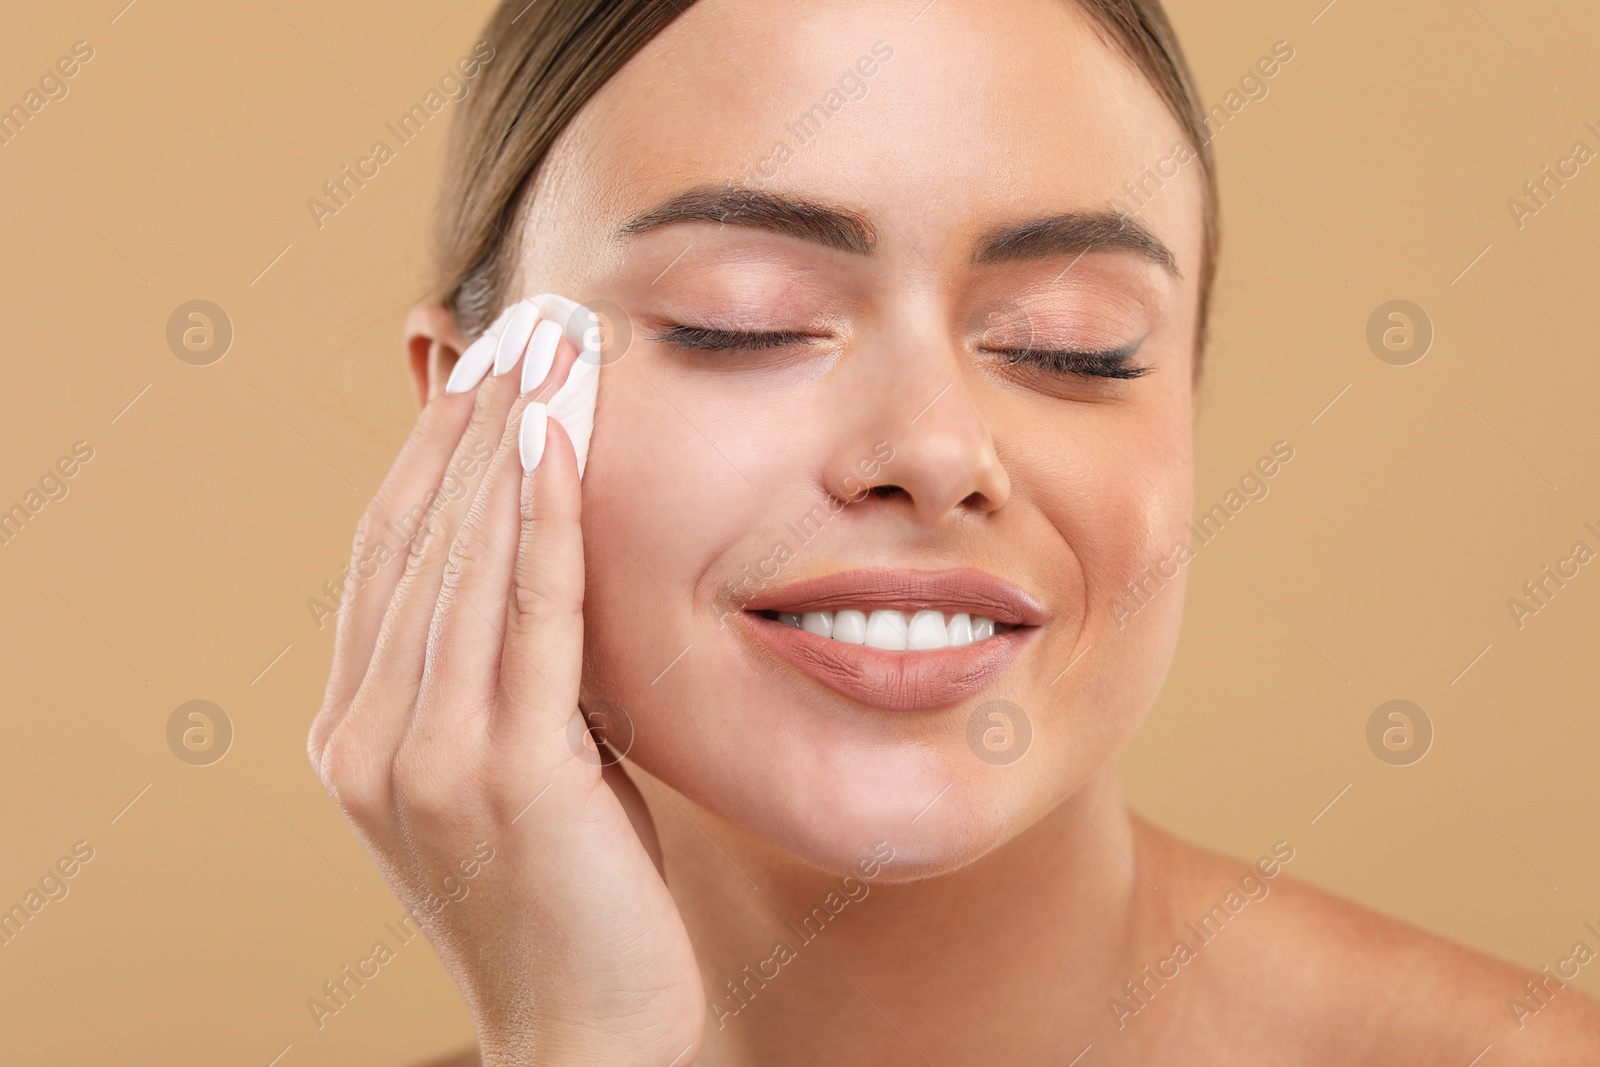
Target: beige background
point(180, 564)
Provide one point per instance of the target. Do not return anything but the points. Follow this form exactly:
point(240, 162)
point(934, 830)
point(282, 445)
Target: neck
point(805, 967)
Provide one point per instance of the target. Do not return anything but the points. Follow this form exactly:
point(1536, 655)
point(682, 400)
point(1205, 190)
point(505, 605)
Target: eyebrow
point(1074, 233)
point(808, 220)
point(1069, 233)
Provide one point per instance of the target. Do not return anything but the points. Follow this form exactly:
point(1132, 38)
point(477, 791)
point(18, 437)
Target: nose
point(914, 436)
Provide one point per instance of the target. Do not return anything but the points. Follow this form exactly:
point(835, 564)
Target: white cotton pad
point(574, 403)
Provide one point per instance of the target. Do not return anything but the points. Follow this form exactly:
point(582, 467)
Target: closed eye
point(708, 339)
point(1111, 363)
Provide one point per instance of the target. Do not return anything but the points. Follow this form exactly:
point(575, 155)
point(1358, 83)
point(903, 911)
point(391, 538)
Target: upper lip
point(958, 589)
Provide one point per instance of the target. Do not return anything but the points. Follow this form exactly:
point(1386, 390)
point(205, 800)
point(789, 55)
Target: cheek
point(1120, 501)
point(680, 496)
point(1118, 490)
point(653, 495)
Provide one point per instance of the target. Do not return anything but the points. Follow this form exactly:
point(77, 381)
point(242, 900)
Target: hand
point(445, 734)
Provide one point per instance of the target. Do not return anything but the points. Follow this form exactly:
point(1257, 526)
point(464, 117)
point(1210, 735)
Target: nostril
point(887, 490)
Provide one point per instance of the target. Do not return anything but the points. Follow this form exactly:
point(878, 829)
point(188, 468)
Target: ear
point(433, 344)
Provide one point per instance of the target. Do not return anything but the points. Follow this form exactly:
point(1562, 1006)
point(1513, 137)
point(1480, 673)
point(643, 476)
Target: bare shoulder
point(1359, 986)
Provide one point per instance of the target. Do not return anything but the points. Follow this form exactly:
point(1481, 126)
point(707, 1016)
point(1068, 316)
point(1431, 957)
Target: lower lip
point(894, 681)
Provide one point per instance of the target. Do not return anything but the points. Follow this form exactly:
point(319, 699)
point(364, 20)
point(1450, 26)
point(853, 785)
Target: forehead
point(935, 125)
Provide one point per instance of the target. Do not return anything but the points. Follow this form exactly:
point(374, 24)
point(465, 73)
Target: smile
point(894, 631)
point(899, 640)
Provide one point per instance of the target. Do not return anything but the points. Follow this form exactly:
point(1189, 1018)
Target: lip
point(898, 681)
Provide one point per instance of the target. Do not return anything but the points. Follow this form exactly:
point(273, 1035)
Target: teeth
point(927, 631)
point(817, 622)
point(887, 629)
point(897, 631)
point(848, 626)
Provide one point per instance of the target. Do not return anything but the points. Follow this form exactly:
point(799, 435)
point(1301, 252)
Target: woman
point(896, 398)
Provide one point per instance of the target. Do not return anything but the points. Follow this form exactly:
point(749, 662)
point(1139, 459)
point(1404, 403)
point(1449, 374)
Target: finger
point(383, 537)
point(542, 659)
point(464, 642)
point(389, 527)
point(383, 704)
point(461, 671)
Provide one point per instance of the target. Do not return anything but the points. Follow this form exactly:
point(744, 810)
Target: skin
point(752, 788)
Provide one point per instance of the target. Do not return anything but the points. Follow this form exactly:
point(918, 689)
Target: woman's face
point(893, 349)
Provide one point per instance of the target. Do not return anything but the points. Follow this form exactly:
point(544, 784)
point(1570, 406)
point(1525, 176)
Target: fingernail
point(581, 325)
point(541, 354)
point(515, 337)
point(473, 364)
point(479, 356)
point(530, 437)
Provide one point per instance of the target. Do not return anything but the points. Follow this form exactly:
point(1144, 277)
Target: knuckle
point(354, 776)
point(529, 511)
point(469, 548)
point(483, 410)
point(534, 603)
point(379, 533)
point(429, 526)
point(369, 521)
point(317, 738)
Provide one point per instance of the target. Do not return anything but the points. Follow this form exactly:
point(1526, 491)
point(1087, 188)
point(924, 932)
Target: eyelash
point(1111, 363)
point(707, 339)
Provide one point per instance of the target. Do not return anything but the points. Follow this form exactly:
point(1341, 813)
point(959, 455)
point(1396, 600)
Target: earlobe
point(433, 344)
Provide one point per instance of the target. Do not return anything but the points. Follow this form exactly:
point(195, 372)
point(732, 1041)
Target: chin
point(825, 784)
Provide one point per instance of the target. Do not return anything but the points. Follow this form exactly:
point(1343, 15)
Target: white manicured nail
point(514, 339)
point(541, 354)
point(530, 436)
point(473, 364)
point(478, 358)
point(581, 325)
